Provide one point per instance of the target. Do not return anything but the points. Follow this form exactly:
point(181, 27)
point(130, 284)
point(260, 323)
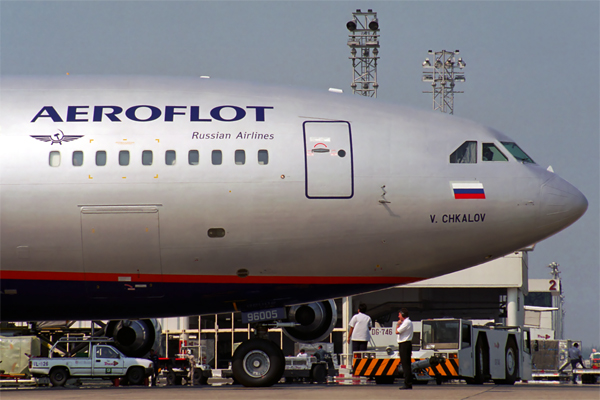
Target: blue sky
point(532, 73)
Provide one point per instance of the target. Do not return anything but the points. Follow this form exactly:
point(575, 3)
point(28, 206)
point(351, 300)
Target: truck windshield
point(441, 335)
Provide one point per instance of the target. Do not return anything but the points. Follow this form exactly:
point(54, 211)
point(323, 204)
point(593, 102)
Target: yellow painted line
point(91, 140)
point(156, 176)
point(124, 177)
point(90, 177)
point(157, 140)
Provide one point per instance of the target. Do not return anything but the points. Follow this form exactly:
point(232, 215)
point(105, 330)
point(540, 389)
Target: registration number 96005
point(263, 315)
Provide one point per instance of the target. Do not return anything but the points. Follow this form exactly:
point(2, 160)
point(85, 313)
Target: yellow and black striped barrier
point(447, 369)
point(376, 366)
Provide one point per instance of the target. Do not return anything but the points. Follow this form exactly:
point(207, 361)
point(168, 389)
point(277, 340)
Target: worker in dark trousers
point(154, 358)
point(404, 329)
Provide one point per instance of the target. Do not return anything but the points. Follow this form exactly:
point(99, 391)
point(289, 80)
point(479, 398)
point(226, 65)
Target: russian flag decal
point(468, 190)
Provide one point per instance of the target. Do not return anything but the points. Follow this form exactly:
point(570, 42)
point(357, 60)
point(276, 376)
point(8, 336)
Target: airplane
point(131, 198)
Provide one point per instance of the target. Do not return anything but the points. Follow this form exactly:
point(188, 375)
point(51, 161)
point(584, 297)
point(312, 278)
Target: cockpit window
point(517, 152)
point(491, 153)
point(465, 154)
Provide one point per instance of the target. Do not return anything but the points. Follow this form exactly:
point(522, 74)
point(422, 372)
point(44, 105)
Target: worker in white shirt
point(404, 329)
point(360, 329)
point(302, 353)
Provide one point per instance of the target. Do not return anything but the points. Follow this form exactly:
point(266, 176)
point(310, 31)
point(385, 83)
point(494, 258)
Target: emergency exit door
point(329, 169)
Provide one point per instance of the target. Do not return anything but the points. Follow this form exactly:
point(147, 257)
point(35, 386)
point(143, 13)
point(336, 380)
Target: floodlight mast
point(363, 41)
point(440, 71)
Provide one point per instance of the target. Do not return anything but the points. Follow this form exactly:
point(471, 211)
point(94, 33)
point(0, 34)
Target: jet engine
point(135, 338)
point(316, 321)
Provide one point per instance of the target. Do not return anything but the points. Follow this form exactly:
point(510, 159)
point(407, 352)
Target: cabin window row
point(147, 157)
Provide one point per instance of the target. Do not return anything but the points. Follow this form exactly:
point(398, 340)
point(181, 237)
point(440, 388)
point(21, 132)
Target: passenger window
point(263, 157)
point(101, 158)
point(465, 154)
point(217, 157)
point(170, 157)
point(240, 157)
point(54, 159)
point(517, 152)
point(194, 157)
point(77, 158)
point(124, 157)
point(147, 157)
point(490, 152)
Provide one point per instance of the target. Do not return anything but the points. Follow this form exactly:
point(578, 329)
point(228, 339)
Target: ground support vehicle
point(385, 368)
point(177, 369)
point(588, 375)
point(89, 358)
point(550, 359)
point(477, 353)
point(308, 369)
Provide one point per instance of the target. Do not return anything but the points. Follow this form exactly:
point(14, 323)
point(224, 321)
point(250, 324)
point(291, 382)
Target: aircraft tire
point(258, 363)
point(59, 376)
point(135, 376)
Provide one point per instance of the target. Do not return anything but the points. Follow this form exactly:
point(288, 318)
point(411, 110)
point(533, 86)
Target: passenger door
point(329, 168)
point(465, 354)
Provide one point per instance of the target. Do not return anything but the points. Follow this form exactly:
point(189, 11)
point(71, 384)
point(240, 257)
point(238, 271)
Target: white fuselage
point(316, 196)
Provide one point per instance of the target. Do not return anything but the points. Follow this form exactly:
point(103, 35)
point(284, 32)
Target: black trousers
point(405, 351)
point(359, 345)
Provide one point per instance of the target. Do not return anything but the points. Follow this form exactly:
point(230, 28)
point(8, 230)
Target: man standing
point(154, 358)
point(360, 329)
point(575, 358)
point(192, 361)
point(404, 329)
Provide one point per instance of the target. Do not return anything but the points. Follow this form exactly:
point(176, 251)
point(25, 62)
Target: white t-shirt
point(362, 327)
point(405, 330)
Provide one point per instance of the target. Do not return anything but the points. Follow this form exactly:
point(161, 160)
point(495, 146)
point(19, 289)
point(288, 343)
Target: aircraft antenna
point(363, 41)
point(442, 73)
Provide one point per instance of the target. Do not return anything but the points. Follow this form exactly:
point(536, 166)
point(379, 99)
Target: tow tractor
point(457, 349)
point(177, 369)
point(477, 353)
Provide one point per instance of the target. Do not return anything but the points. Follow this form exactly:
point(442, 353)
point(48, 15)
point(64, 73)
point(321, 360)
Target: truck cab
point(477, 353)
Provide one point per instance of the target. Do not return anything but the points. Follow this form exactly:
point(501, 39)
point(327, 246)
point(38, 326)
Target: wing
point(43, 138)
point(70, 138)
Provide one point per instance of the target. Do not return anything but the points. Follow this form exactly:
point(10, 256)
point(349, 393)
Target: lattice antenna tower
point(363, 41)
point(443, 76)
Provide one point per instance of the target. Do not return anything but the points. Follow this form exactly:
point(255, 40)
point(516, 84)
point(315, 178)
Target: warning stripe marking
point(447, 368)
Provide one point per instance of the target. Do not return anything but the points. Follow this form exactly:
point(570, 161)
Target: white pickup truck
point(92, 359)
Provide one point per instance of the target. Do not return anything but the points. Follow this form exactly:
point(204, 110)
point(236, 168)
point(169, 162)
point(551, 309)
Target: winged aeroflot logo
point(56, 138)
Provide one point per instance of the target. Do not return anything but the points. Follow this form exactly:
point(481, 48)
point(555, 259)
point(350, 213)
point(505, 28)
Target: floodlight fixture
point(374, 24)
point(364, 49)
point(443, 78)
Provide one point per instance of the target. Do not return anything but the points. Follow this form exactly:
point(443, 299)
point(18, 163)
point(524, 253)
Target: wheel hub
point(256, 364)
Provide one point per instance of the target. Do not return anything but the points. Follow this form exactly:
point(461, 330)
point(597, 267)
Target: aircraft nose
point(561, 204)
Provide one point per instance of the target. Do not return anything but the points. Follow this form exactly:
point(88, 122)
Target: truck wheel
point(319, 373)
point(59, 376)
point(480, 360)
point(135, 376)
point(258, 363)
point(511, 362)
point(170, 378)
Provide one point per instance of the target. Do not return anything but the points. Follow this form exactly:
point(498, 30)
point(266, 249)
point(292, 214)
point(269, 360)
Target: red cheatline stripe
point(112, 277)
